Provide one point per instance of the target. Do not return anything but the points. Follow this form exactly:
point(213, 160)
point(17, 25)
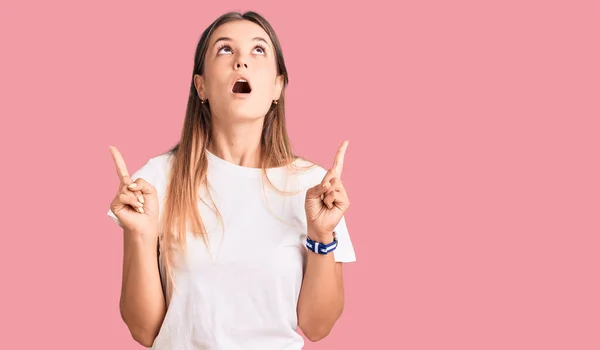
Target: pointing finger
point(119, 163)
point(338, 163)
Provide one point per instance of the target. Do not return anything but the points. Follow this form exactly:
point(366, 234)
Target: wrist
point(321, 237)
point(147, 239)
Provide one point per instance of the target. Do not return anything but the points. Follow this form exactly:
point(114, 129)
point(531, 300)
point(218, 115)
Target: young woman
point(230, 240)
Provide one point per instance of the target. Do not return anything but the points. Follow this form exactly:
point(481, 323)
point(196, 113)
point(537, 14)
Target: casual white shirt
point(241, 292)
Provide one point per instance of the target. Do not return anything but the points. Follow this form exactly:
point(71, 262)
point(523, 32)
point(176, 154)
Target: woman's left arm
point(321, 299)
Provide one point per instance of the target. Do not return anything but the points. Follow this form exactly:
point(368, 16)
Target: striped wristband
point(321, 248)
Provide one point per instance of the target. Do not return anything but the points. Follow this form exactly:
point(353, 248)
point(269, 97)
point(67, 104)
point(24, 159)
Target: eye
point(260, 50)
point(224, 49)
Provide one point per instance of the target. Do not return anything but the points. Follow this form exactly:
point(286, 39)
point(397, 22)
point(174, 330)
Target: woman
point(251, 238)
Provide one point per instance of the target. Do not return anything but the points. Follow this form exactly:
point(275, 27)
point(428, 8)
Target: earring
point(274, 102)
point(202, 101)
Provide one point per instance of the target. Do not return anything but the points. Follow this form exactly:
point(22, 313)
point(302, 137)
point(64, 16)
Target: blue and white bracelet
point(321, 248)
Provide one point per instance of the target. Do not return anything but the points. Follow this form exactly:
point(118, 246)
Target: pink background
point(472, 169)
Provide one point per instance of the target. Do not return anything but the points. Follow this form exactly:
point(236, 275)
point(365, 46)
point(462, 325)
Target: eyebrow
point(224, 38)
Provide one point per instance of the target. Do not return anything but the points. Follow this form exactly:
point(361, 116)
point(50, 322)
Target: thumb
point(143, 186)
point(318, 190)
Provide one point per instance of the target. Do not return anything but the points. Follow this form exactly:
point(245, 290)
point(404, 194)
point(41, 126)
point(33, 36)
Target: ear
point(199, 84)
point(278, 87)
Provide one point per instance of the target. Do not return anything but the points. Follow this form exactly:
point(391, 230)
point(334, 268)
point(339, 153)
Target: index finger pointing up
point(338, 163)
point(119, 163)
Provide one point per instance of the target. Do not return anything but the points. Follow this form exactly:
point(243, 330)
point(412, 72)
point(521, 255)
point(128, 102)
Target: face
point(239, 50)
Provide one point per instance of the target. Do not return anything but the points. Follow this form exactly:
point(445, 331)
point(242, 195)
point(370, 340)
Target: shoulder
point(308, 171)
point(156, 168)
point(161, 162)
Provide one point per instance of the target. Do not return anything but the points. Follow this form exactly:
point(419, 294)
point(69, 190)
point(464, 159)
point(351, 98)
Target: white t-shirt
point(243, 295)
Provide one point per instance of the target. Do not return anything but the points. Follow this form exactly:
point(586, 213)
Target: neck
point(237, 143)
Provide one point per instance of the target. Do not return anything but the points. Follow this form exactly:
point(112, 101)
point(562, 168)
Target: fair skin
point(239, 49)
point(236, 49)
point(142, 303)
point(321, 298)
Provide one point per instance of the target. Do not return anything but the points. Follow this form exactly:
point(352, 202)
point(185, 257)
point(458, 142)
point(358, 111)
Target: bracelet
point(321, 248)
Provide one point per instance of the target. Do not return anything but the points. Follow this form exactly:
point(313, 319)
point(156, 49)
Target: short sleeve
point(148, 172)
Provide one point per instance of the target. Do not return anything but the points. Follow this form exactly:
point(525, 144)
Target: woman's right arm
point(142, 303)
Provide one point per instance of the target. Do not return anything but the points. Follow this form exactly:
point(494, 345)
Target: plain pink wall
point(473, 167)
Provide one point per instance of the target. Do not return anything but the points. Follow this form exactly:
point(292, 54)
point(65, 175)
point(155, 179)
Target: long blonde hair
point(189, 161)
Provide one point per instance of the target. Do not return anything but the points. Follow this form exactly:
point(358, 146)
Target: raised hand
point(327, 202)
point(136, 202)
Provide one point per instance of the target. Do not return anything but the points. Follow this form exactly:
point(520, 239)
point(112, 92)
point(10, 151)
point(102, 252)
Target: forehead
point(240, 30)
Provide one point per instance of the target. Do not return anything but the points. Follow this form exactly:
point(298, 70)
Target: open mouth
point(241, 87)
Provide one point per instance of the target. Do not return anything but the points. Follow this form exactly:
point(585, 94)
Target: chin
point(247, 113)
point(247, 117)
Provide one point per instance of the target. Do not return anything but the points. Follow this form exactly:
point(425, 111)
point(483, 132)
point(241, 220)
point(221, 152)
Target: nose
point(240, 63)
